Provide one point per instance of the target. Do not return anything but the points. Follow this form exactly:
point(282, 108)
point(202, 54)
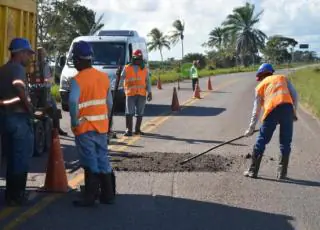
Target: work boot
point(138, 125)
point(91, 188)
point(107, 185)
point(86, 178)
point(128, 132)
point(16, 194)
point(283, 167)
point(254, 167)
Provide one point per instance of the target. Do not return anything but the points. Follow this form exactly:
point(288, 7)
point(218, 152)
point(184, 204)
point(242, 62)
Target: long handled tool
point(115, 94)
point(215, 147)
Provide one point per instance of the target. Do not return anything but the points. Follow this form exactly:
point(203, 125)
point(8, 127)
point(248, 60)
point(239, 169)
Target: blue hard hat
point(82, 50)
point(20, 44)
point(265, 68)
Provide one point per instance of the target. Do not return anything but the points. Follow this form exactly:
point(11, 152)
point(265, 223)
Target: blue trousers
point(17, 140)
point(282, 115)
point(93, 152)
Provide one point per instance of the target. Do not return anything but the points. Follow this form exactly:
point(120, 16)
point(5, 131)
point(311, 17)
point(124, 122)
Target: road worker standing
point(16, 118)
point(90, 103)
point(137, 88)
point(49, 82)
point(278, 98)
point(194, 74)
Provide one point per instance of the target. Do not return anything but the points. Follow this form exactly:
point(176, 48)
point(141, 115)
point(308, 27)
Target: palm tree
point(178, 34)
point(217, 38)
point(158, 41)
point(241, 23)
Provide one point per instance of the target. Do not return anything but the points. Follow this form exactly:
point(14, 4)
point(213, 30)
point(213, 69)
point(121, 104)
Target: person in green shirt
point(194, 74)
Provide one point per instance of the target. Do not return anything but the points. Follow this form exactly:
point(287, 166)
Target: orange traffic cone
point(175, 106)
point(196, 92)
point(56, 177)
point(209, 84)
point(159, 86)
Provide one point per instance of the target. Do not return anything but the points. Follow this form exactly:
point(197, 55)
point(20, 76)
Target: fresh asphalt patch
point(170, 162)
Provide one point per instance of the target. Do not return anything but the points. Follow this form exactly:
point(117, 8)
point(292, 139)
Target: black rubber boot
point(107, 185)
point(254, 167)
point(282, 167)
point(138, 125)
point(129, 122)
point(82, 188)
point(91, 188)
point(16, 194)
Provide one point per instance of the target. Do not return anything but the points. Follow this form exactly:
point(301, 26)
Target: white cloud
point(295, 18)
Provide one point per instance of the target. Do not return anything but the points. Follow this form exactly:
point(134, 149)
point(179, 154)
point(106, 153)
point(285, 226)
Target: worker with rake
point(278, 98)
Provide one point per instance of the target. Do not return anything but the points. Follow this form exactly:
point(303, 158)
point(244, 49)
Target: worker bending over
point(90, 103)
point(16, 126)
point(137, 88)
point(279, 100)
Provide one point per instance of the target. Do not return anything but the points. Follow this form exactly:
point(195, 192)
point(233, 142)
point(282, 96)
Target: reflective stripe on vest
point(274, 91)
point(135, 82)
point(94, 118)
point(11, 101)
point(92, 103)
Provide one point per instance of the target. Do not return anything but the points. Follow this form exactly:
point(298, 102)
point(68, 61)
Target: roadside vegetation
point(307, 83)
point(236, 45)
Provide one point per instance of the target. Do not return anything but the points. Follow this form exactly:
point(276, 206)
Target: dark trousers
point(282, 115)
point(194, 82)
point(19, 138)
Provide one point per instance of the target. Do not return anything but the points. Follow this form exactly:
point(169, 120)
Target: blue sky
point(299, 19)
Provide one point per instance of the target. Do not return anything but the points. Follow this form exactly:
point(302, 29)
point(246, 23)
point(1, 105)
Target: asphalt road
point(190, 200)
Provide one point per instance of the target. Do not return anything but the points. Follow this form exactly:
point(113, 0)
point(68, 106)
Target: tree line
point(237, 41)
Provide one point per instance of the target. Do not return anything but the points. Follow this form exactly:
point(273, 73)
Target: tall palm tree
point(178, 34)
point(158, 41)
point(241, 23)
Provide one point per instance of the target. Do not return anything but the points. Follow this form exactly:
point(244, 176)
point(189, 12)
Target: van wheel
point(39, 138)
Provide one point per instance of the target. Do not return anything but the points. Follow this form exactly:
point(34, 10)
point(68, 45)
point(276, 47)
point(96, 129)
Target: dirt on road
point(170, 162)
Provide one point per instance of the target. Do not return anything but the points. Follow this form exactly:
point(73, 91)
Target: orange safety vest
point(274, 91)
point(93, 109)
point(135, 83)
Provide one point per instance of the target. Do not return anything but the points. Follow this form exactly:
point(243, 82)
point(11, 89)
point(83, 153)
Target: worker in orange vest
point(137, 88)
point(278, 98)
point(90, 103)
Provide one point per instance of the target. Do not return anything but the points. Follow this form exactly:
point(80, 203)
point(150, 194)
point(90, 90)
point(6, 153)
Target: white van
point(111, 48)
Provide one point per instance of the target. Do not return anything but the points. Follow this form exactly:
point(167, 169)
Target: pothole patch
point(170, 162)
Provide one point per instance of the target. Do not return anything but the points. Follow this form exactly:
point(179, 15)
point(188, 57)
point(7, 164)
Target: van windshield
point(106, 54)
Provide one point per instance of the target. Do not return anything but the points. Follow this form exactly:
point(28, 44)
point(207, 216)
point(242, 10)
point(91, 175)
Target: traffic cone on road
point(196, 92)
point(56, 177)
point(209, 84)
point(175, 106)
point(159, 86)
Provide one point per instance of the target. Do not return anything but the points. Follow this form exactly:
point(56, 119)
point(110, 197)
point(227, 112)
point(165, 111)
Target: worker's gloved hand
point(149, 97)
point(249, 132)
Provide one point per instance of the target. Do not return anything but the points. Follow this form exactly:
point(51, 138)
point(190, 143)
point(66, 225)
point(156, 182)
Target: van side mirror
point(62, 61)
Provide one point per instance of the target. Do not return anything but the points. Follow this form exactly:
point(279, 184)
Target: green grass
point(172, 76)
point(307, 83)
point(55, 93)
